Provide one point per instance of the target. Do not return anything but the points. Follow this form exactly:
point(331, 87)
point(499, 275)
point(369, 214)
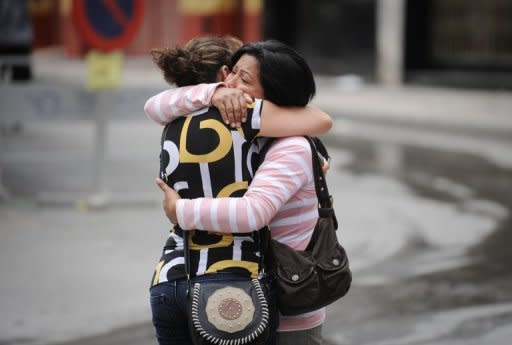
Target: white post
point(100, 196)
point(390, 41)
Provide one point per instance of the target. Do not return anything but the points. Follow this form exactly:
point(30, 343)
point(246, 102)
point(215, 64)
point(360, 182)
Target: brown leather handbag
point(306, 280)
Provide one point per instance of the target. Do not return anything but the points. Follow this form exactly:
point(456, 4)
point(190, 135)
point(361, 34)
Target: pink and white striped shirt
point(172, 103)
point(282, 195)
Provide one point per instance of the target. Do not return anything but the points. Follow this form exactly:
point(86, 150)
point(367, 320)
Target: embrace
point(240, 176)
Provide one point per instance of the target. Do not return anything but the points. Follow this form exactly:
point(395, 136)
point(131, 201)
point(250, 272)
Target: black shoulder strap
point(325, 207)
point(320, 147)
point(322, 192)
point(264, 149)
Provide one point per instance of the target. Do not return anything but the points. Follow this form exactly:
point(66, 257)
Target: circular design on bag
point(295, 277)
point(230, 309)
point(336, 262)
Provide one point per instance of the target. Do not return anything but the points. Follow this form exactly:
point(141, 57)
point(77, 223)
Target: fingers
point(222, 109)
point(326, 166)
point(236, 109)
point(169, 193)
point(248, 98)
point(246, 101)
point(222, 101)
point(239, 110)
point(243, 107)
point(229, 116)
point(169, 201)
point(162, 185)
point(232, 104)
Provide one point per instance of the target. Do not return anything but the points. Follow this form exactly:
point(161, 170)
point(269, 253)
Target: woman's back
point(202, 157)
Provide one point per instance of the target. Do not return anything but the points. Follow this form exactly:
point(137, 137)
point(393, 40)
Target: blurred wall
point(336, 37)
point(465, 43)
point(460, 42)
point(165, 23)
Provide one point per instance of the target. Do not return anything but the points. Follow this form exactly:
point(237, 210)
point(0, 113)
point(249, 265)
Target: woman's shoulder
point(293, 150)
point(296, 142)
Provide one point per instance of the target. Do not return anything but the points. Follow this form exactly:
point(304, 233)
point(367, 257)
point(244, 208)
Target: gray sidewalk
point(478, 111)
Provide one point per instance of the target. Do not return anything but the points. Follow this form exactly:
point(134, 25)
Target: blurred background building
point(466, 43)
point(463, 43)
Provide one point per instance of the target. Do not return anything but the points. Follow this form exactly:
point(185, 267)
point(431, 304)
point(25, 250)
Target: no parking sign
point(108, 24)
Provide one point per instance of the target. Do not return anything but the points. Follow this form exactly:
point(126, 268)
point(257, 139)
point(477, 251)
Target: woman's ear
point(223, 73)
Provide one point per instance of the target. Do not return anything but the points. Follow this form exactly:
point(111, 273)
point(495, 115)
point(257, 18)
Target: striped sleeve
point(286, 169)
point(172, 103)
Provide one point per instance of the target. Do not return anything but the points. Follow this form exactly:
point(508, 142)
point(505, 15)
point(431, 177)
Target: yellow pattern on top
point(251, 267)
point(225, 142)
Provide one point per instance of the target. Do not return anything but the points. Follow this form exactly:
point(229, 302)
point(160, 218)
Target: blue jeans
point(169, 309)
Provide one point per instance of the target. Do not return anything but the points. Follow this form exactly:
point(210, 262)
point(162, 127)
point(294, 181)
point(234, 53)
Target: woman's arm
point(172, 103)
point(286, 169)
point(276, 121)
point(279, 121)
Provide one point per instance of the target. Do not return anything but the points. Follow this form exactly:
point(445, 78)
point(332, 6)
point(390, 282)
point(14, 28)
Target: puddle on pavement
point(460, 295)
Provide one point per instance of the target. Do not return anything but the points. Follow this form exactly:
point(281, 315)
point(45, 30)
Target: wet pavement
point(427, 230)
point(448, 280)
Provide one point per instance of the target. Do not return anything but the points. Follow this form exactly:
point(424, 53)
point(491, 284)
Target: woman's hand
point(232, 104)
point(169, 202)
point(325, 166)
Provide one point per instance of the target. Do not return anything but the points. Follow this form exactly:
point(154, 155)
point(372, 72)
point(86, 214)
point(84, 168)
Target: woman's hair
point(285, 76)
point(197, 62)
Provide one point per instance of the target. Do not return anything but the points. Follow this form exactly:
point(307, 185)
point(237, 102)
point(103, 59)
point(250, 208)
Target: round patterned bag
point(229, 313)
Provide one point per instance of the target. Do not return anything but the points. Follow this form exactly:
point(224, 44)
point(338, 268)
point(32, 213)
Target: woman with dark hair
point(282, 192)
point(285, 77)
point(202, 157)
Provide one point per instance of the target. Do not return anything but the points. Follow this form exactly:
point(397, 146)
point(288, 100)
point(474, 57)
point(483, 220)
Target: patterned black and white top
point(203, 157)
